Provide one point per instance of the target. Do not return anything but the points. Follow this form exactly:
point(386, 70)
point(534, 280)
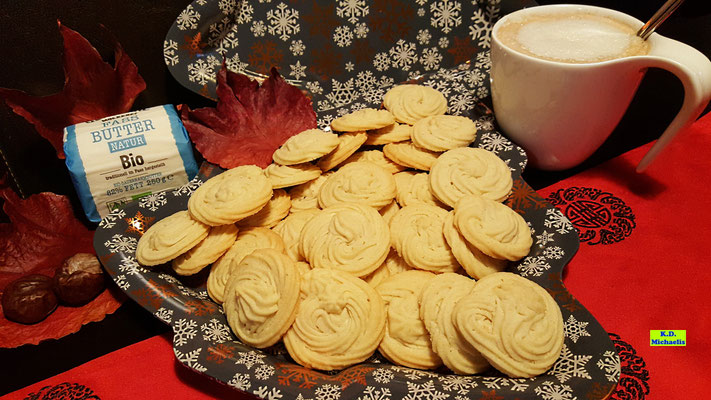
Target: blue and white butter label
point(117, 159)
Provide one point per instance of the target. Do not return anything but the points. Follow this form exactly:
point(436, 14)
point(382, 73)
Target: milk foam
point(573, 38)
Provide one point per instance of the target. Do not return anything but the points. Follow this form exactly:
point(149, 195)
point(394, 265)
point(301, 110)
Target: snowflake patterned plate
point(588, 367)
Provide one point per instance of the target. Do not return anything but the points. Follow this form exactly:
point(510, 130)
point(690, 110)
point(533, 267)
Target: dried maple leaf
point(250, 121)
point(93, 89)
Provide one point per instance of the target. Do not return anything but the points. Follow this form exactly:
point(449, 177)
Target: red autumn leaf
point(250, 121)
point(93, 89)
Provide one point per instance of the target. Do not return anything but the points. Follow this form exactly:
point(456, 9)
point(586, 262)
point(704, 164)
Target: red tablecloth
point(641, 266)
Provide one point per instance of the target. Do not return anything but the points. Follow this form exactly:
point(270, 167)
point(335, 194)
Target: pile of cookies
point(340, 251)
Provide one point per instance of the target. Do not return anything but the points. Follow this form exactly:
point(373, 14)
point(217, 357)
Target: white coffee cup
point(560, 112)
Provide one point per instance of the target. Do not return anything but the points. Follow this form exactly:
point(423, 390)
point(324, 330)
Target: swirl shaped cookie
point(468, 170)
point(437, 301)
point(230, 196)
point(281, 176)
point(290, 231)
point(363, 120)
point(389, 211)
point(409, 155)
point(305, 146)
point(276, 208)
point(393, 264)
point(492, 227)
point(359, 182)
point(348, 143)
point(475, 263)
point(376, 157)
point(416, 234)
point(340, 321)
point(513, 322)
point(414, 187)
point(305, 196)
point(389, 134)
point(410, 103)
point(248, 240)
point(443, 132)
point(216, 243)
point(169, 238)
point(261, 297)
point(349, 237)
point(406, 341)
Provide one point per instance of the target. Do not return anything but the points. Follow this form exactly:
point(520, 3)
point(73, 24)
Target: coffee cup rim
point(622, 17)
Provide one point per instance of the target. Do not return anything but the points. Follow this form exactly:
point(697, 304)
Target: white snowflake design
point(575, 329)
point(424, 391)
point(328, 392)
point(342, 93)
point(121, 244)
point(533, 266)
point(215, 331)
point(234, 64)
point(258, 28)
point(190, 359)
point(549, 391)
point(553, 252)
point(122, 282)
point(446, 15)
point(403, 55)
point(555, 219)
point(244, 14)
point(297, 70)
point(343, 36)
point(457, 383)
point(250, 358)
point(265, 393)
point(264, 372)
point(188, 188)
point(352, 9)
point(423, 36)
point(188, 18)
point(430, 58)
point(544, 238)
point(110, 220)
point(164, 314)
point(570, 365)
point(170, 48)
point(130, 266)
point(183, 331)
point(283, 22)
point(240, 381)
point(297, 48)
point(495, 143)
point(383, 375)
point(371, 393)
point(200, 71)
point(153, 201)
point(610, 363)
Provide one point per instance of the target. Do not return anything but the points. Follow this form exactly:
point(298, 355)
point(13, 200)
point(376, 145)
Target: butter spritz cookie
point(305, 146)
point(281, 176)
point(349, 237)
point(276, 208)
point(409, 155)
point(492, 227)
point(261, 297)
point(290, 231)
point(443, 132)
point(248, 240)
point(363, 120)
point(305, 196)
point(513, 322)
point(416, 232)
point(340, 320)
point(376, 157)
point(406, 341)
point(467, 170)
point(475, 263)
point(169, 238)
point(389, 134)
point(437, 301)
point(414, 187)
point(389, 211)
point(410, 103)
point(348, 143)
point(230, 196)
point(360, 182)
point(215, 244)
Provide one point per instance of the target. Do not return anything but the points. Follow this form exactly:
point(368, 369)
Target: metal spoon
point(660, 16)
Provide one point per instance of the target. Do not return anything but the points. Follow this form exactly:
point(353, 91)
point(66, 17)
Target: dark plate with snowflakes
point(346, 54)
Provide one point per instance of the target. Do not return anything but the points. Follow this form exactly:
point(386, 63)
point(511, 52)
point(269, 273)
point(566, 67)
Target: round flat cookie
point(475, 263)
point(274, 211)
point(305, 146)
point(410, 103)
point(290, 231)
point(215, 244)
point(281, 176)
point(360, 182)
point(305, 196)
point(169, 238)
point(340, 321)
point(443, 132)
point(389, 134)
point(513, 322)
point(363, 120)
point(376, 157)
point(409, 155)
point(348, 144)
point(261, 297)
point(414, 187)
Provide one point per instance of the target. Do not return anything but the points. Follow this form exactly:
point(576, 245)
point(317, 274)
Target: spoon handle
point(660, 16)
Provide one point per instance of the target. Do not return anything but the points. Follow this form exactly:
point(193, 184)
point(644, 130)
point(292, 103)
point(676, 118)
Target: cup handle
point(694, 71)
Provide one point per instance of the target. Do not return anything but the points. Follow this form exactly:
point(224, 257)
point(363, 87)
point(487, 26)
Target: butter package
point(117, 159)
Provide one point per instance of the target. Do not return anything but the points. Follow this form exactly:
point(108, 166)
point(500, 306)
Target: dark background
point(30, 54)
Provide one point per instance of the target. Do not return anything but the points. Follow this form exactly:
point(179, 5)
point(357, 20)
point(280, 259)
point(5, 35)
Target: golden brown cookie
point(443, 132)
point(393, 264)
point(410, 103)
point(215, 244)
point(282, 176)
point(277, 208)
point(348, 144)
point(376, 157)
point(360, 182)
point(169, 238)
point(475, 263)
point(305, 146)
point(363, 120)
point(409, 155)
point(290, 231)
point(305, 196)
point(414, 187)
point(389, 134)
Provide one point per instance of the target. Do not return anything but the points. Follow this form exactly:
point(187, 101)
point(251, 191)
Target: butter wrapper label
point(121, 158)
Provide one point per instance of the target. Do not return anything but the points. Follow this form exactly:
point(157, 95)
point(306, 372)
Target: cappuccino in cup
point(576, 37)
